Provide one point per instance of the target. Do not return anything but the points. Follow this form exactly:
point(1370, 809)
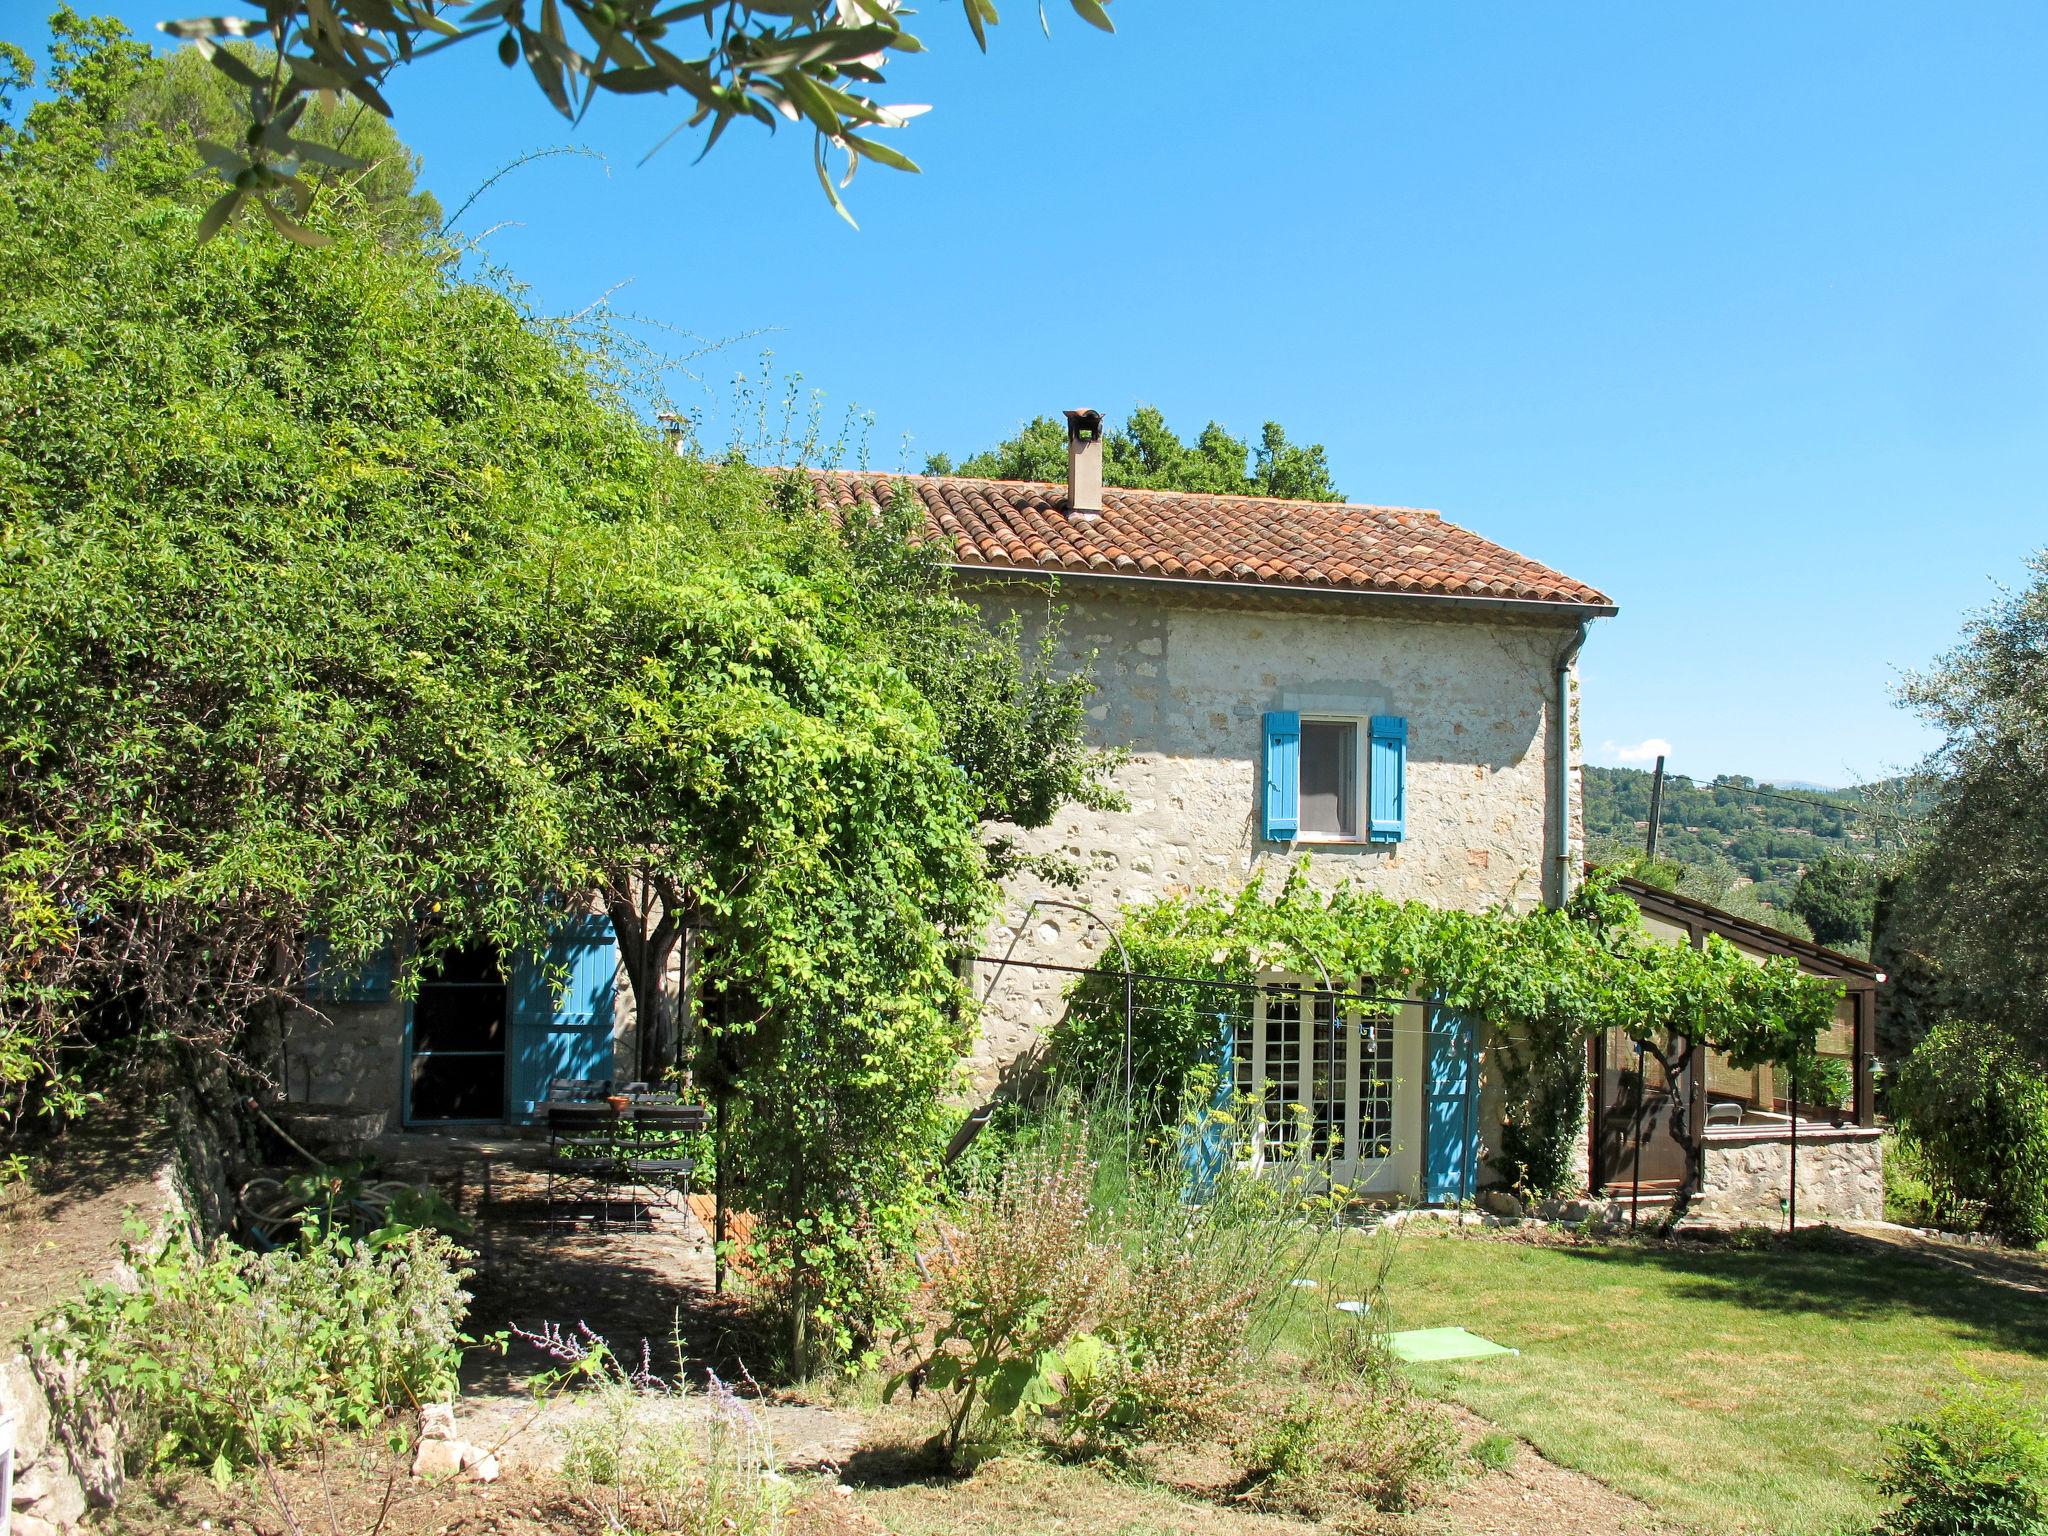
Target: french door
point(1320, 1073)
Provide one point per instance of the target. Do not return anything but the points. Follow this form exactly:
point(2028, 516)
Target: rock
point(437, 1421)
point(1499, 1202)
point(48, 1493)
point(34, 1525)
point(22, 1396)
point(438, 1459)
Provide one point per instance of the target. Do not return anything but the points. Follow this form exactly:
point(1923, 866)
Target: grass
point(1733, 1390)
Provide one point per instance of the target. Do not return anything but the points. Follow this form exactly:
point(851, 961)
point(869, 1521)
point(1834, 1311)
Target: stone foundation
point(1745, 1172)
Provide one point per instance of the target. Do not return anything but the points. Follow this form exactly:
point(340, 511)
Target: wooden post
point(1863, 1010)
point(1656, 808)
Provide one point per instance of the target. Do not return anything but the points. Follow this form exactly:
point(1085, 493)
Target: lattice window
point(1326, 1078)
point(1375, 1087)
point(1283, 1065)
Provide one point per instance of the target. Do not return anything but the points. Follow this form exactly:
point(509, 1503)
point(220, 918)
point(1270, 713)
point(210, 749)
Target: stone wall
point(1183, 685)
point(1745, 1174)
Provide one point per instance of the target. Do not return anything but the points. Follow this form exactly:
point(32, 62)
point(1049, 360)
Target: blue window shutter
point(1283, 776)
point(365, 981)
point(1389, 779)
point(566, 1033)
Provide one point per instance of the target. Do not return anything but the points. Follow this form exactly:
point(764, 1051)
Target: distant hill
point(1728, 836)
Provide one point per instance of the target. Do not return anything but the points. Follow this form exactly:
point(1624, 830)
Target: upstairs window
point(1334, 778)
point(1329, 778)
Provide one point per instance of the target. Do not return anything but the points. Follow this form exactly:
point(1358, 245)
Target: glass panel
point(1283, 1066)
point(1326, 1080)
point(1375, 1088)
point(458, 1087)
point(1329, 777)
point(458, 1018)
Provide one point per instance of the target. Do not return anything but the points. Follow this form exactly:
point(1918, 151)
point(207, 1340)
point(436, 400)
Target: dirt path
point(2009, 1267)
point(1533, 1497)
point(64, 1225)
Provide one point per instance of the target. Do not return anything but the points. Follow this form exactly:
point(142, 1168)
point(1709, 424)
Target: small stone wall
point(1745, 1174)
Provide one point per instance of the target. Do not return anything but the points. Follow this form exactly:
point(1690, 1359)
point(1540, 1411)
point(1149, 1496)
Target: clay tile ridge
point(1237, 540)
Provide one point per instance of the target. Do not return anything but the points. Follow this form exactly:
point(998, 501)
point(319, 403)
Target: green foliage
point(193, 102)
point(1973, 903)
point(1835, 896)
point(812, 61)
point(1974, 1105)
point(1541, 980)
point(228, 1358)
point(1976, 1466)
point(1146, 454)
point(343, 596)
point(1822, 1082)
point(1724, 844)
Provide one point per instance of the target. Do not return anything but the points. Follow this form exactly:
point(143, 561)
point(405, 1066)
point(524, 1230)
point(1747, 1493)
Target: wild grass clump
point(654, 1456)
point(1324, 1453)
point(1098, 1288)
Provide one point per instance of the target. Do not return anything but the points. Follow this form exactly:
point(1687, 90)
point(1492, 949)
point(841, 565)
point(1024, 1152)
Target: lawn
point(1733, 1390)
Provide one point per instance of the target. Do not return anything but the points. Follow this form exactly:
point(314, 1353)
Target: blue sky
point(1739, 312)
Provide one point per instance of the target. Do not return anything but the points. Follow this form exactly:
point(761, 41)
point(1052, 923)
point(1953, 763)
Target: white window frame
point(1361, 751)
point(1363, 1032)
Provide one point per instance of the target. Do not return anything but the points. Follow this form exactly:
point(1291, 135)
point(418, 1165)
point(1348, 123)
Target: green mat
point(1430, 1344)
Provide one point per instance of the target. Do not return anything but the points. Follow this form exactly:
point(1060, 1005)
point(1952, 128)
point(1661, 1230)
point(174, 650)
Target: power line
point(1846, 808)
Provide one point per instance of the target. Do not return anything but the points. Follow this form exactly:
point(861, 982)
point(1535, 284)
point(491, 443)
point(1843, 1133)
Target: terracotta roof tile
point(1244, 540)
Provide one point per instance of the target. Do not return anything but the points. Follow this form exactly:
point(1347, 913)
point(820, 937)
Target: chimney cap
point(1085, 425)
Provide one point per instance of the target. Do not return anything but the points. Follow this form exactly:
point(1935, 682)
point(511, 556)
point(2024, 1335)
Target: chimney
point(1084, 465)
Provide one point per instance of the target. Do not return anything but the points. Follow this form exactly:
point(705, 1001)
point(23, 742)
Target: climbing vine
point(1543, 982)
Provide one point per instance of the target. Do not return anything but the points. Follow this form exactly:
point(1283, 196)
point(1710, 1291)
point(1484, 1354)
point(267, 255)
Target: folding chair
point(583, 1149)
point(656, 1162)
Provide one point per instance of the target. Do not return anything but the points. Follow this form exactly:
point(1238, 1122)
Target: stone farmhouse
point(1373, 685)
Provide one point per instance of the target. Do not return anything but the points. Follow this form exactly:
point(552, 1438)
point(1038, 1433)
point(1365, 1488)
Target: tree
point(1973, 899)
point(189, 98)
point(1146, 454)
point(343, 597)
point(1835, 896)
point(812, 62)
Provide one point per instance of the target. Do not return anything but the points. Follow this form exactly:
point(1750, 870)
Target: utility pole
point(1656, 807)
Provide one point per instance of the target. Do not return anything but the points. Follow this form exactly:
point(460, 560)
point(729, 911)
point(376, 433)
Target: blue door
point(1450, 1112)
point(1207, 1136)
point(565, 1034)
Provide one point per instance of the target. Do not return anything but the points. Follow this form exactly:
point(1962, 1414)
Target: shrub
point(227, 1357)
point(1976, 1466)
point(1975, 1107)
point(1077, 1283)
point(1908, 1197)
point(1822, 1082)
point(1019, 1278)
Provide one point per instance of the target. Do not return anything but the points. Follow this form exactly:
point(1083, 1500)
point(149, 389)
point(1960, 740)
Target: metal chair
point(577, 1090)
point(654, 1160)
point(583, 1149)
